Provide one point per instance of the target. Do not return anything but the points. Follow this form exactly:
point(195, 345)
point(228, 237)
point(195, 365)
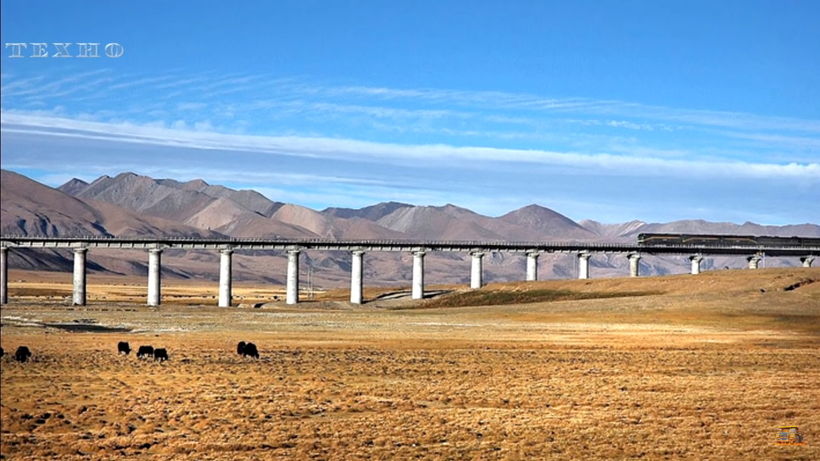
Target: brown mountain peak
point(372, 212)
point(195, 184)
point(74, 186)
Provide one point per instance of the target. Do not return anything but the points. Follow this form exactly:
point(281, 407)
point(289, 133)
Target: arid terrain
point(668, 367)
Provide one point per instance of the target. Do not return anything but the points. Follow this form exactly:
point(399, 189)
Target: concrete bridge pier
point(477, 270)
point(225, 274)
point(356, 285)
point(696, 259)
point(292, 293)
point(583, 265)
point(4, 275)
point(753, 261)
point(634, 264)
point(78, 296)
point(807, 260)
point(532, 266)
point(154, 276)
point(418, 275)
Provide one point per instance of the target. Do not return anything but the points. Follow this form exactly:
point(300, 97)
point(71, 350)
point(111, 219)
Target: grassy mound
point(503, 297)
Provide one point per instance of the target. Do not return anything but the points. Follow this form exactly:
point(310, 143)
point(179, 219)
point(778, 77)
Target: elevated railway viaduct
point(358, 248)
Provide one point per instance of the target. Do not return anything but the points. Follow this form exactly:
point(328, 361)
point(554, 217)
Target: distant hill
point(549, 224)
point(29, 208)
point(33, 209)
point(371, 213)
point(160, 198)
point(748, 228)
point(613, 231)
point(133, 205)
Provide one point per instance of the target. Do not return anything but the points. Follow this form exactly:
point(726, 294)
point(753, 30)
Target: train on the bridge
point(646, 239)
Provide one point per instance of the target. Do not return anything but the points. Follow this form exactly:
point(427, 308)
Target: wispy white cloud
point(253, 90)
point(140, 82)
point(8, 89)
point(781, 140)
point(182, 82)
point(533, 102)
point(202, 137)
point(191, 106)
point(35, 87)
point(76, 87)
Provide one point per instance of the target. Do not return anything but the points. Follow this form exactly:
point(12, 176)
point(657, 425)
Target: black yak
point(22, 354)
point(145, 351)
point(240, 348)
point(250, 350)
point(160, 354)
point(123, 346)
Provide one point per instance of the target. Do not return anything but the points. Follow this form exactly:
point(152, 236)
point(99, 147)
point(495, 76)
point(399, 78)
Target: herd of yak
point(160, 354)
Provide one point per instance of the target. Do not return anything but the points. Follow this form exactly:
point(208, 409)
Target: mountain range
point(133, 205)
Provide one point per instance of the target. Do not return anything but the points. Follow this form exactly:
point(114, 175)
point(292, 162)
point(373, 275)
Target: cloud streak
point(364, 151)
point(256, 91)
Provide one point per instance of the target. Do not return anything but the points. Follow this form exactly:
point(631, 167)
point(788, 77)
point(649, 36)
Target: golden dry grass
point(706, 370)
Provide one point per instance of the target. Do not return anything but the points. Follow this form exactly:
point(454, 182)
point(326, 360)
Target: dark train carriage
point(695, 239)
point(725, 240)
point(781, 241)
point(738, 240)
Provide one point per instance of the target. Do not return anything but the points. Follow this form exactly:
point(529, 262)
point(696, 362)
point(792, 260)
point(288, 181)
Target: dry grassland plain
point(699, 367)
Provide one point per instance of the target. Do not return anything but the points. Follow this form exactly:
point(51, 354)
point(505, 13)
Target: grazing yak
point(240, 348)
point(145, 351)
point(250, 350)
point(22, 354)
point(160, 354)
point(123, 346)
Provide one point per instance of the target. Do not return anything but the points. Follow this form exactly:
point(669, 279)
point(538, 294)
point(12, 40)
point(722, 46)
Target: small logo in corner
point(64, 50)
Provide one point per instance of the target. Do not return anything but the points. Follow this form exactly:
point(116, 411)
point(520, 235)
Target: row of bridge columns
point(356, 279)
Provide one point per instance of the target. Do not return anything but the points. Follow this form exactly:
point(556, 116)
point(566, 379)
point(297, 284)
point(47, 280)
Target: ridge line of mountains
point(139, 206)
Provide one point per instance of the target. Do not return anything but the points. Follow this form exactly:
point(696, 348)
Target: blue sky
point(604, 110)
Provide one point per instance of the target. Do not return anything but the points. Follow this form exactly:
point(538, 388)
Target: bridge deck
point(399, 245)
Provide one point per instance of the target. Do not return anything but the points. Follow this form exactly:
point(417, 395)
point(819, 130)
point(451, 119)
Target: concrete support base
point(154, 276)
point(583, 265)
point(634, 264)
point(4, 275)
point(696, 259)
point(418, 275)
point(532, 266)
point(807, 260)
point(356, 270)
point(477, 272)
point(292, 296)
point(753, 261)
point(78, 297)
point(225, 275)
